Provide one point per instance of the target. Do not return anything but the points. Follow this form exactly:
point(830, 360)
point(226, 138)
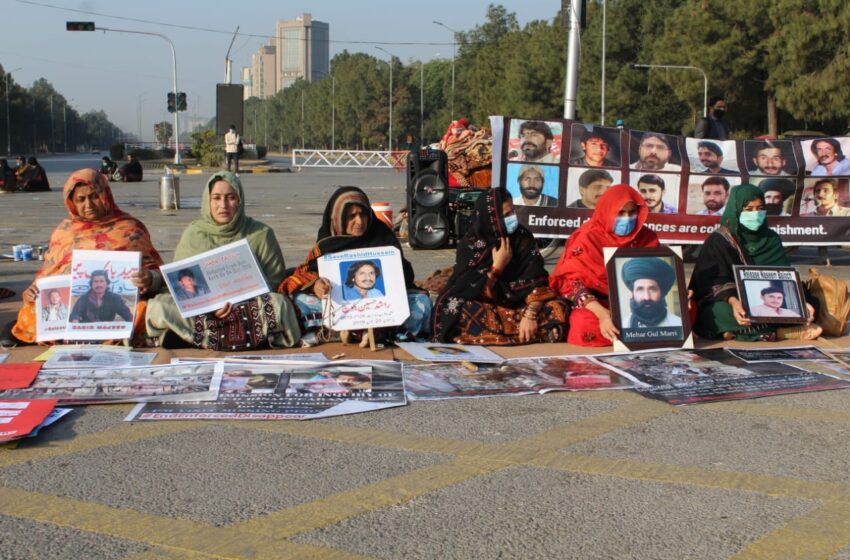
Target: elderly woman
point(499, 292)
point(349, 223)
point(742, 239)
point(267, 320)
point(580, 276)
point(95, 222)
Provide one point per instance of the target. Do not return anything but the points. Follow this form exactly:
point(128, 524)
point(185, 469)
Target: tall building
point(302, 50)
point(246, 82)
point(263, 72)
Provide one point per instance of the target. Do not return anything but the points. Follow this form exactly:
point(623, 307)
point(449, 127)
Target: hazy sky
point(119, 72)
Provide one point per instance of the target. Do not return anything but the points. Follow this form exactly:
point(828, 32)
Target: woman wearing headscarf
point(498, 293)
point(581, 277)
point(38, 177)
point(268, 319)
point(94, 222)
point(742, 239)
point(349, 223)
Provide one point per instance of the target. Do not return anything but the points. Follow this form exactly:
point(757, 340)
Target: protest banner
point(262, 390)
point(87, 358)
point(18, 418)
point(444, 352)
point(103, 297)
point(206, 282)
point(53, 305)
point(684, 181)
point(367, 288)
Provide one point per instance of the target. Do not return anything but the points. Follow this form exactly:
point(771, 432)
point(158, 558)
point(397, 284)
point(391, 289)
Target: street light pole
point(454, 45)
point(421, 103)
point(391, 95)
point(602, 105)
point(678, 67)
point(333, 113)
point(574, 48)
point(8, 120)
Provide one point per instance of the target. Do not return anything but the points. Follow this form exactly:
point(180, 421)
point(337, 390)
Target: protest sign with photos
point(648, 297)
point(52, 306)
point(771, 294)
point(444, 352)
point(206, 282)
point(367, 288)
point(103, 297)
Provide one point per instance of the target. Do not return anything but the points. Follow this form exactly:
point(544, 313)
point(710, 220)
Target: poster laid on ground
point(556, 170)
point(694, 376)
point(518, 376)
point(47, 354)
point(55, 415)
point(86, 358)
point(252, 390)
point(18, 418)
point(367, 288)
point(797, 353)
point(443, 352)
point(52, 305)
point(196, 381)
point(103, 297)
point(205, 282)
point(18, 376)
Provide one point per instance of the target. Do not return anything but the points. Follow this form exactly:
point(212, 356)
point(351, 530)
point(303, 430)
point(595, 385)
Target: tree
point(163, 131)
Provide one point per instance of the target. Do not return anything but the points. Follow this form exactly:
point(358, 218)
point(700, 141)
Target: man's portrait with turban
point(649, 280)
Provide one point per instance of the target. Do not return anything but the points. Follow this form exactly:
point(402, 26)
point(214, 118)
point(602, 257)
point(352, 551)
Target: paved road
point(585, 475)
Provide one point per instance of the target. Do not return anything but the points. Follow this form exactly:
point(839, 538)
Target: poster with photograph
point(194, 381)
point(660, 191)
point(594, 146)
point(261, 390)
point(533, 185)
point(770, 157)
point(825, 197)
point(519, 376)
point(771, 294)
point(711, 157)
point(780, 193)
point(586, 186)
point(797, 353)
point(826, 157)
point(53, 305)
point(367, 288)
point(86, 358)
point(442, 352)
point(690, 377)
point(707, 194)
point(648, 297)
point(533, 141)
point(206, 282)
point(103, 297)
point(654, 151)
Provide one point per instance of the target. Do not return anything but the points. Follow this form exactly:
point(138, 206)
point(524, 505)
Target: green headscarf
point(206, 234)
point(762, 246)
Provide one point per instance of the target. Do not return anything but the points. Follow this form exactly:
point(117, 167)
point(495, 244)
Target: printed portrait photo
point(779, 194)
point(586, 186)
point(439, 350)
point(97, 299)
point(707, 194)
point(773, 299)
point(648, 293)
point(188, 283)
point(594, 146)
point(653, 151)
point(712, 156)
point(533, 185)
point(825, 197)
point(770, 157)
point(55, 304)
point(535, 141)
point(826, 157)
point(660, 191)
point(361, 279)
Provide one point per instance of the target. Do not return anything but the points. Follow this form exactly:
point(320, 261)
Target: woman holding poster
point(268, 319)
point(742, 239)
point(94, 222)
point(581, 276)
point(349, 223)
point(498, 293)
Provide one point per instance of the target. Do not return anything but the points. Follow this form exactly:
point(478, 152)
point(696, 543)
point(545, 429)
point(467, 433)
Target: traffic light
point(79, 26)
point(181, 101)
point(172, 103)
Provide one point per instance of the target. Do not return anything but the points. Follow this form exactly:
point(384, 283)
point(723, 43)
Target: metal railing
point(396, 159)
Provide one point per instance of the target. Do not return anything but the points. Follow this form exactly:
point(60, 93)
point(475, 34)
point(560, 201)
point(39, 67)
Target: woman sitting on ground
point(581, 276)
point(266, 320)
point(742, 239)
point(37, 178)
point(499, 292)
point(349, 223)
point(7, 176)
point(95, 222)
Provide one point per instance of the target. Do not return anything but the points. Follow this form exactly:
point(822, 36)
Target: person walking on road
point(231, 147)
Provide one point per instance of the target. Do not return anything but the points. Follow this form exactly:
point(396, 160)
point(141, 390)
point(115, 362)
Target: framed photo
point(52, 305)
point(649, 298)
point(771, 294)
point(103, 298)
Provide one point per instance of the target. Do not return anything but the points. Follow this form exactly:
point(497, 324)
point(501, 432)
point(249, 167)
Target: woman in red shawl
point(617, 221)
point(95, 222)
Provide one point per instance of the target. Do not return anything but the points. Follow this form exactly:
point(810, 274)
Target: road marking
point(821, 533)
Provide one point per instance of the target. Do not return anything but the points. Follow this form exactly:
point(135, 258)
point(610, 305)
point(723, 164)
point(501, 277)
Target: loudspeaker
point(228, 107)
point(428, 222)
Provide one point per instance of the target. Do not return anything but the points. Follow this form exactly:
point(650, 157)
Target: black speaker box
point(228, 107)
point(429, 226)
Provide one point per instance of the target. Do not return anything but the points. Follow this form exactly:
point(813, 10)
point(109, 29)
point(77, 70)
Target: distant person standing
point(713, 126)
point(231, 147)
